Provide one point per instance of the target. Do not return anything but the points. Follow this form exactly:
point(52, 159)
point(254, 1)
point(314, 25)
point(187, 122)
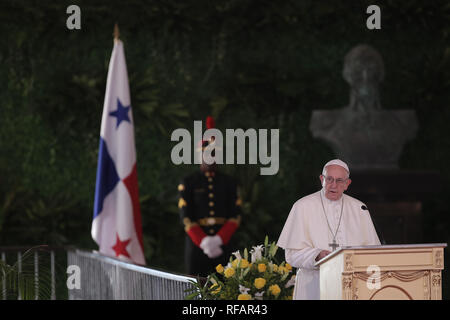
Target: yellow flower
point(275, 268)
point(219, 269)
point(288, 266)
point(261, 267)
point(244, 263)
point(274, 289)
point(259, 283)
point(282, 270)
point(244, 296)
point(235, 263)
point(229, 272)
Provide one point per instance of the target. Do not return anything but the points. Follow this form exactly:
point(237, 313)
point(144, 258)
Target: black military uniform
point(209, 205)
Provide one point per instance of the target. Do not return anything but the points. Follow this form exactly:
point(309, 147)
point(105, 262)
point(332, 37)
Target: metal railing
point(105, 278)
point(39, 264)
point(100, 277)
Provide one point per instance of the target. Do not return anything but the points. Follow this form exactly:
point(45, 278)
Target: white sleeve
point(302, 258)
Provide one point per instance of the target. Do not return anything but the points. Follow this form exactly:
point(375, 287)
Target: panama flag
point(117, 227)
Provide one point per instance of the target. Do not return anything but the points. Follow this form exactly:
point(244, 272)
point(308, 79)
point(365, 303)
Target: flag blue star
point(121, 113)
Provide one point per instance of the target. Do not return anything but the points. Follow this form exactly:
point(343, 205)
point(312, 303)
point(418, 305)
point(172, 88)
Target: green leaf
point(285, 276)
point(192, 296)
point(275, 249)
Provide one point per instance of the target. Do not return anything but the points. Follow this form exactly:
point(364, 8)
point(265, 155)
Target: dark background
point(250, 64)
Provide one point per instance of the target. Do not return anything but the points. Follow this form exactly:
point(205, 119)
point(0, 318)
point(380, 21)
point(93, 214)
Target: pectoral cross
point(334, 245)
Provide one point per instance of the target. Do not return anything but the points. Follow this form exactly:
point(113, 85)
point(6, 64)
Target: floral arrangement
point(257, 278)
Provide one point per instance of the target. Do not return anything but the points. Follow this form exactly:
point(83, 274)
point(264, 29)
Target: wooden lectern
point(389, 272)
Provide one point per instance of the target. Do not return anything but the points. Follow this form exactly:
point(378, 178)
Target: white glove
point(210, 242)
point(214, 253)
point(211, 246)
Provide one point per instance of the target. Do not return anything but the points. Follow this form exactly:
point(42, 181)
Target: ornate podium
point(389, 272)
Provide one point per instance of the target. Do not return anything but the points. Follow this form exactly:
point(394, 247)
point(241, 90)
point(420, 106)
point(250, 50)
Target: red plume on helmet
point(210, 123)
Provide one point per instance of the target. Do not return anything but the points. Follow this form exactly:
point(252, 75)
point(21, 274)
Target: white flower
point(291, 282)
point(237, 254)
point(243, 290)
point(259, 295)
point(256, 253)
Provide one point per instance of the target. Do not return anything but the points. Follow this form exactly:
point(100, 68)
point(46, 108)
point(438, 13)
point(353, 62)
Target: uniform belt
point(211, 221)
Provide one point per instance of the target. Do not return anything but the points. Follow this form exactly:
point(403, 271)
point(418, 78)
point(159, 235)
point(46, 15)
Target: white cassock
point(306, 233)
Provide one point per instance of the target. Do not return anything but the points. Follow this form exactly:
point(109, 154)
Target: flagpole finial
point(116, 32)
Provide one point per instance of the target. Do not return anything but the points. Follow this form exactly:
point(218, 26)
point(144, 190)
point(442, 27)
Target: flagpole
point(116, 32)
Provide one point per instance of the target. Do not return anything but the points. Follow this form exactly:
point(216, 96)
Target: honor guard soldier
point(210, 210)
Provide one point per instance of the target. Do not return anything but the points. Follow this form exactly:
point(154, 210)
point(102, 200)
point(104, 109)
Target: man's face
point(204, 158)
point(335, 182)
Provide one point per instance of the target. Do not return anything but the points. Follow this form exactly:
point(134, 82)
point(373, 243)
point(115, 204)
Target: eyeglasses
point(339, 181)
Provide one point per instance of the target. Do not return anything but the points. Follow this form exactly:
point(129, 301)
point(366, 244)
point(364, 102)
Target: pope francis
point(322, 222)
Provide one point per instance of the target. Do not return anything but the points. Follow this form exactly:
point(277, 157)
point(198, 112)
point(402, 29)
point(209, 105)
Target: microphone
point(363, 207)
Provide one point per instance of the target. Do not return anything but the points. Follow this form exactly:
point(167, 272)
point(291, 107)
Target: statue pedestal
point(394, 199)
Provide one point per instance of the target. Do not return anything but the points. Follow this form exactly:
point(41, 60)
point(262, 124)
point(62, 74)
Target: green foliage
point(250, 64)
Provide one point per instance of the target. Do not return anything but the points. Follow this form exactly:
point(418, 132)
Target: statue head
point(363, 70)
